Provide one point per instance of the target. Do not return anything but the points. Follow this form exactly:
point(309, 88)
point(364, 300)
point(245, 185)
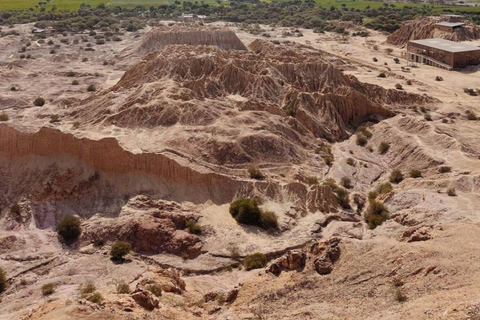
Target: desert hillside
point(207, 172)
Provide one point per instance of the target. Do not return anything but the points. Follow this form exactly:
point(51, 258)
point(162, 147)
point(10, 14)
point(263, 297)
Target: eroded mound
point(193, 35)
point(241, 106)
point(425, 29)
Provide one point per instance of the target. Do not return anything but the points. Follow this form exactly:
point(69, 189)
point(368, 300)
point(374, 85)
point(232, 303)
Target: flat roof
point(452, 15)
point(446, 45)
point(450, 24)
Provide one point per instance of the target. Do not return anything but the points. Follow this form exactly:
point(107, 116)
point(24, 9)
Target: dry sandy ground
point(439, 275)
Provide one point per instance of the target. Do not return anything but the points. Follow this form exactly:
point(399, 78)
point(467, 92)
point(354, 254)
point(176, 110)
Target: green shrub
point(372, 195)
point(154, 288)
point(245, 211)
point(361, 140)
point(311, 180)
point(123, 288)
point(383, 147)
point(396, 176)
point(268, 220)
point(86, 289)
point(39, 102)
point(451, 192)
point(376, 214)
point(384, 188)
point(255, 261)
point(346, 182)
point(4, 117)
point(95, 297)
point(427, 117)
point(444, 169)
point(363, 130)
point(119, 250)
point(343, 197)
point(69, 229)
point(3, 280)
point(255, 173)
point(193, 227)
point(48, 289)
point(415, 174)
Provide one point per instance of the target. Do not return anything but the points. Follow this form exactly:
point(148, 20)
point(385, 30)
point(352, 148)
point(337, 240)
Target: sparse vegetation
point(255, 261)
point(471, 116)
point(311, 180)
point(383, 147)
point(343, 197)
point(398, 86)
point(193, 227)
point(3, 280)
point(382, 75)
point(375, 60)
point(346, 182)
point(48, 289)
point(400, 296)
point(291, 113)
point(123, 288)
point(119, 250)
point(39, 102)
point(384, 188)
point(377, 213)
point(396, 176)
point(154, 288)
point(246, 211)
point(361, 140)
point(451, 192)
point(91, 88)
point(69, 229)
point(328, 160)
point(438, 78)
point(95, 297)
point(415, 174)
point(444, 169)
point(255, 173)
point(427, 117)
point(75, 83)
point(351, 162)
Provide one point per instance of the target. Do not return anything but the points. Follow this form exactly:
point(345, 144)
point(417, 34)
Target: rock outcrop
point(425, 29)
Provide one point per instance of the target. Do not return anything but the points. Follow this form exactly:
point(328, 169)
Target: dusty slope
point(424, 28)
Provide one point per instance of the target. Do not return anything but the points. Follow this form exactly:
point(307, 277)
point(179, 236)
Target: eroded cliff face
point(60, 173)
point(425, 29)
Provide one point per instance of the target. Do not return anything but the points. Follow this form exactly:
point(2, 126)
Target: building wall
point(437, 54)
point(444, 28)
point(463, 59)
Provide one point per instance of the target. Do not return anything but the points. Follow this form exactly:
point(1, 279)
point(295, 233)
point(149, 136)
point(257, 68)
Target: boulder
point(145, 299)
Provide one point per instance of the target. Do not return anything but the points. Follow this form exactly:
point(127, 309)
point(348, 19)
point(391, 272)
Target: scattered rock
point(145, 299)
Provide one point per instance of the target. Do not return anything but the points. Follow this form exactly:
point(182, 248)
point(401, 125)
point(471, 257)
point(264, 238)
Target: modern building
point(443, 53)
point(453, 17)
point(449, 26)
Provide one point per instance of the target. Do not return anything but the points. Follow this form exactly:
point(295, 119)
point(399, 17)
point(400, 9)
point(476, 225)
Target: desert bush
point(154, 288)
point(444, 169)
point(400, 296)
point(4, 117)
point(396, 176)
point(116, 38)
point(70, 74)
point(427, 117)
point(438, 78)
point(69, 229)
point(92, 33)
point(398, 86)
point(48, 289)
point(346, 182)
point(375, 60)
point(423, 109)
point(415, 174)
point(343, 197)
point(246, 211)
point(3, 280)
point(123, 288)
point(382, 75)
point(388, 50)
point(328, 160)
point(255, 261)
point(86, 289)
point(384, 188)
point(119, 250)
point(444, 120)
point(376, 214)
point(255, 173)
point(95, 297)
point(100, 41)
point(311, 180)
point(54, 118)
point(471, 116)
point(364, 130)
point(268, 219)
point(451, 192)
point(39, 102)
point(372, 195)
point(291, 113)
point(91, 88)
point(75, 83)
point(409, 82)
point(361, 140)
point(105, 63)
point(397, 61)
point(383, 147)
point(351, 162)
point(193, 227)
